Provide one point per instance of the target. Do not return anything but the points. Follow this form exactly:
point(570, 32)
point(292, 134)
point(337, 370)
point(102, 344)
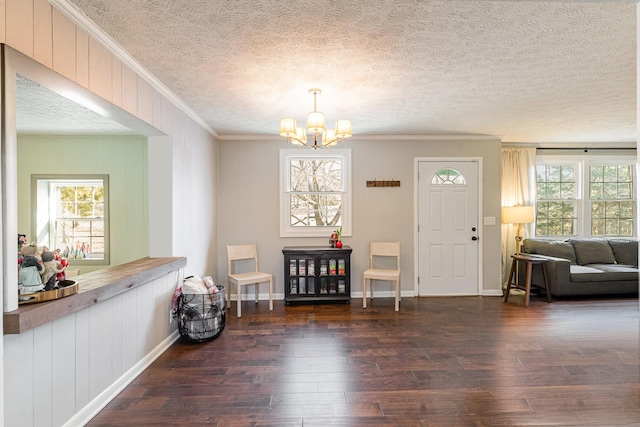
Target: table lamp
point(518, 215)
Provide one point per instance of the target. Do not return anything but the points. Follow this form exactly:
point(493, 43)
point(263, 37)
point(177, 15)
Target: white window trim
point(286, 230)
point(43, 207)
point(582, 163)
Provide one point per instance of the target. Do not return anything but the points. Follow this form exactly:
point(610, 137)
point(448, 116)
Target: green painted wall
point(123, 158)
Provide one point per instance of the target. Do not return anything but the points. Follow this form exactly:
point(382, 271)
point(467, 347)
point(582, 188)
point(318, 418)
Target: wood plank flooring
point(472, 361)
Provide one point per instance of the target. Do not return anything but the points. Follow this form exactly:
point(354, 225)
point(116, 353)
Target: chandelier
point(315, 128)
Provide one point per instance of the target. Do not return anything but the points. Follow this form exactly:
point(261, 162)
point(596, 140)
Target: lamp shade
point(300, 137)
point(329, 138)
point(315, 122)
point(288, 127)
point(518, 214)
point(343, 129)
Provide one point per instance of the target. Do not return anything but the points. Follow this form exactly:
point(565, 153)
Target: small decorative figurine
point(51, 270)
point(29, 280)
point(62, 262)
point(333, 239)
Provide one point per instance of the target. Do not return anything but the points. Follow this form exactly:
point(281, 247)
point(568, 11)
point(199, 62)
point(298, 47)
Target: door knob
point(474, 238)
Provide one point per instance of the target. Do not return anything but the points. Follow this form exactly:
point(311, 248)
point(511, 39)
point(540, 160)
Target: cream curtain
point(518, 188)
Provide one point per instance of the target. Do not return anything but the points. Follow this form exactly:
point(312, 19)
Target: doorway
point(448, 227)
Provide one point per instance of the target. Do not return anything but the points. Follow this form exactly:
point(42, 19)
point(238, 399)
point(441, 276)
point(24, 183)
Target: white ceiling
point(41, 111)
point(539, 72)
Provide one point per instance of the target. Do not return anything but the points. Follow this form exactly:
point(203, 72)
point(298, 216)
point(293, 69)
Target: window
point(315, 193)
point(448, 176)
point(557, 200)
point(72, 215)
point(611, 197)
point(586, 197)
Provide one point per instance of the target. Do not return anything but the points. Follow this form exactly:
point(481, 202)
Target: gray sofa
point(586, 266)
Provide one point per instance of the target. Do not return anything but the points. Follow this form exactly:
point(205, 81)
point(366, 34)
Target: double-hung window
point(315, 193)
point(611, 199)
point(558, 196)
point(585, 196)
point(72, 216)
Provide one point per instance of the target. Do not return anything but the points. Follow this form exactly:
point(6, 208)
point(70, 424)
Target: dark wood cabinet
point(316, 273)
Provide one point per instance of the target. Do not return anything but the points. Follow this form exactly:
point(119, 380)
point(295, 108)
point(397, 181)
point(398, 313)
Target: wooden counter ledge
point(93, 288)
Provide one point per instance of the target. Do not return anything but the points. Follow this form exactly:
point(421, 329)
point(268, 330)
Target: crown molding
point(81, 20)
point(386, 138)
point(454, 137)
point(430, 137)
point(575, 145)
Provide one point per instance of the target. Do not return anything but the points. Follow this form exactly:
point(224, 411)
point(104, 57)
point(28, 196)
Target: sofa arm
point(558, 271)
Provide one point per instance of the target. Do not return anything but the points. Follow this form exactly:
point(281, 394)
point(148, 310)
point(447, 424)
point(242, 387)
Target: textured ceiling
point(543, 72)
point(41, 111)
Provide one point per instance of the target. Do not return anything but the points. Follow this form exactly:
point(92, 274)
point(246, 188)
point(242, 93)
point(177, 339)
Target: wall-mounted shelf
point(377, 183)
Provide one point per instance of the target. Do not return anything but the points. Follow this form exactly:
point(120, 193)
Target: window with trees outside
point(315, 193)
point(72, 216)
point(585, 198)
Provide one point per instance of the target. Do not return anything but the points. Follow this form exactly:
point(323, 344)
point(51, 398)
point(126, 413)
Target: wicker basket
point(201, 317)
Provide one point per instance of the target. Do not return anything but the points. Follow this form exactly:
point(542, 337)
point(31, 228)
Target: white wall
point(249, 209)
point(194, 203)
point(66, 370)
point(41, 32)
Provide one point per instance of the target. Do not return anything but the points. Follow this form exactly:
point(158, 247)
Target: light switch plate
point(489, 220)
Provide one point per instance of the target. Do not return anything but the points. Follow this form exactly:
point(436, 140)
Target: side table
point(529, 261)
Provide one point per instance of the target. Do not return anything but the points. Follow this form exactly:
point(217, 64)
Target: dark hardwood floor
point(472, 361)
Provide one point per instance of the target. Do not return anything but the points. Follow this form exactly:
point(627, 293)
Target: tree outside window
point(612, 203)
point(556, 207)
point(315, 193)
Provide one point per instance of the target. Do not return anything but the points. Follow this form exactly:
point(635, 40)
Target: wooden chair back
point(386, 249)
point(241, 253)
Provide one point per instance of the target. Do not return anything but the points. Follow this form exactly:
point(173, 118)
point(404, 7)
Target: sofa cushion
point(583, 269)
point(554, 248)
point(593, 251)
point(616, 268)
point(625, 251)
point(603, 273)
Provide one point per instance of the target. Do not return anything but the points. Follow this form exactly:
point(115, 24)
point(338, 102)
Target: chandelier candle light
point(322, 137)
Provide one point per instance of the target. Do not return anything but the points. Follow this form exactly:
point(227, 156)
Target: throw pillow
point(593, 251)
point(554, 248)
point(626, 251)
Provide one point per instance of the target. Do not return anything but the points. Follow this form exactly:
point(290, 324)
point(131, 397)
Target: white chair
point(239, 253)
point(388, 250)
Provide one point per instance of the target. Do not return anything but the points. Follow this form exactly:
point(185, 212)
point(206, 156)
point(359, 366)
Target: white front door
point(448, 228)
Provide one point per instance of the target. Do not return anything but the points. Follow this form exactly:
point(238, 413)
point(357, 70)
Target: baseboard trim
point(85, 415)
point(492, 293)
point(249, 296)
